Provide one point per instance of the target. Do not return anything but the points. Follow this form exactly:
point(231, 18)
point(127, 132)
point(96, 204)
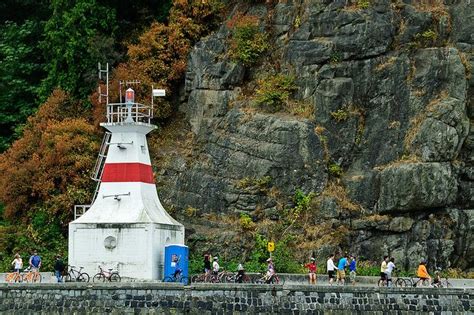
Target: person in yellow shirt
point(423, 274)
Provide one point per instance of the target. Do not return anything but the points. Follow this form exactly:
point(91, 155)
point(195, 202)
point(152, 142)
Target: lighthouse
point(126, 227)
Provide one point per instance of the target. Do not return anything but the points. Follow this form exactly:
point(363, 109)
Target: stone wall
point(152, 298)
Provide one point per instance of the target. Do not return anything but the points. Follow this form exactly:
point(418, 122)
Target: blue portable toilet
point(176, 256)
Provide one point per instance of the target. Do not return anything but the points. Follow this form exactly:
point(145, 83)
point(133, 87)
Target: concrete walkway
point(289, 279)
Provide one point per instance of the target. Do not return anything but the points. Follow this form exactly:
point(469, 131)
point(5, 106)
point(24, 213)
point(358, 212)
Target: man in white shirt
point(389, 270)
point(215, 266)
point(330, 267)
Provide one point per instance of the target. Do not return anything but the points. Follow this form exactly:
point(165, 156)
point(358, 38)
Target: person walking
point(215, 266)
point(270, 271)
point(330, 267)
point(312, 270)
point(383, 270)
point(353, 269)
point(17, 263)
point(59, 268)
point(341, 273)
point(207, 263)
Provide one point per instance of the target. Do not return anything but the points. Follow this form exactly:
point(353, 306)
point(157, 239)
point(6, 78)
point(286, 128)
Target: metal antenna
point(102, 71)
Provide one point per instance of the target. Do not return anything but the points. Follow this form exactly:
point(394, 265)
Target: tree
point(71, 45)
point(22, 71)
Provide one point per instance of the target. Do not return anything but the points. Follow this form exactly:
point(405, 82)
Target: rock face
point(399, 75)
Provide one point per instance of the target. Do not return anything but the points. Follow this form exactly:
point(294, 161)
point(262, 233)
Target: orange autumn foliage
point(48, 167)
point(160, 55)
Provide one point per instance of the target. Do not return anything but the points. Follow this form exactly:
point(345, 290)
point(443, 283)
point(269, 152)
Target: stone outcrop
point(399, 74)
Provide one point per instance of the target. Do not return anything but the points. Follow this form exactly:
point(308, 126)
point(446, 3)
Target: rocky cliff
point(387, 150)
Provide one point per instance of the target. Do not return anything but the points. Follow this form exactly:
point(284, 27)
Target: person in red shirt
point(312, 270)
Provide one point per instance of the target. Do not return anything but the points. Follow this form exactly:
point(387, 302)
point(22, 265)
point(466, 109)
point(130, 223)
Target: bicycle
point(440, 282)
point(13, 277)
point(102, 276)
point(222, 276)
point(200, 278)
point(76, 275)
point(265, 279)
point(30, 275)
point(177, 277)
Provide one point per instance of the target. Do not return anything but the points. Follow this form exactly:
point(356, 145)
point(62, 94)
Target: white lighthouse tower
point(126, 227)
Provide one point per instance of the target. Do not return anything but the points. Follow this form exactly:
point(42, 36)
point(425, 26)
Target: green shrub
point(363, 4)
point(335, 169)
point(340, 115)
point(246, 222)
point(274, 91)
point(248, 42)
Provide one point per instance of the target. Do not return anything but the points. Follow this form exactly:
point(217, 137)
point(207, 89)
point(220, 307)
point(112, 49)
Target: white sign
point(158, 92)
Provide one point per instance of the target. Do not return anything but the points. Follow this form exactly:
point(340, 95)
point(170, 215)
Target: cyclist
point(437, 278)
point(17, 263)
point(215, 266)
point(270, 271)
point(312, 270)
point(35, 261)
point(240, 274)
point(423, 274)
point(390, 268)
point(383, 270)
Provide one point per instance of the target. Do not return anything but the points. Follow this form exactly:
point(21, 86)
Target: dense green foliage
point(77, 36)
point(22, 71)
point(274, 91)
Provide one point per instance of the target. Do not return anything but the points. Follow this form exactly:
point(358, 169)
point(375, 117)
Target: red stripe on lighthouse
point(127, 172)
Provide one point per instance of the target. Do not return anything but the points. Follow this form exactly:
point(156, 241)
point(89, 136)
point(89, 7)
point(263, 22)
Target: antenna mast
point(106, 72)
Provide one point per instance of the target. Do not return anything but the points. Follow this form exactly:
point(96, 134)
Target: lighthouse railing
point(118, 112)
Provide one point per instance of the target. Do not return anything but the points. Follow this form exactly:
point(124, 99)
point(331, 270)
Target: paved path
point(290, 279)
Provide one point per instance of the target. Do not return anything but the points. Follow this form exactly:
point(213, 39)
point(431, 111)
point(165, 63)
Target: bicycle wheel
point(83, 277)
point(169, 279)
point(400, 283)
point(98, 278)
point(184, 280)
point(67, 278)
point(115, 277)
point(246, 279)
point(229, 278)
point(446, 284)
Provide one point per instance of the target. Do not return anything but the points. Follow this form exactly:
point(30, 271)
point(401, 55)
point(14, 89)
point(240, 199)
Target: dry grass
point(301, 109)
point(415, 122)
point(394, 124)
point(377, 218)
point(386, 64)
point(337, 191)
point(404, 159)
point(466, 63)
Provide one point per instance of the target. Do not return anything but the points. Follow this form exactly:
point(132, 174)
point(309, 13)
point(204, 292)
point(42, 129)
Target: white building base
point(134, 249)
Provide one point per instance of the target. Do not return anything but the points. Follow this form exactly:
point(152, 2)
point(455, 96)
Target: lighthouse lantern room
point(126, 227)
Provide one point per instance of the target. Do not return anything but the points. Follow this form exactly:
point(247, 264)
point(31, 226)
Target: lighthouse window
point(143, 149)
point(110, 242)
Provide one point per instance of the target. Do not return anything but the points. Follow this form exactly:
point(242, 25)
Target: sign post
point(271, 248)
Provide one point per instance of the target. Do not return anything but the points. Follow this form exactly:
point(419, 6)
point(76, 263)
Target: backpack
point(35, 261)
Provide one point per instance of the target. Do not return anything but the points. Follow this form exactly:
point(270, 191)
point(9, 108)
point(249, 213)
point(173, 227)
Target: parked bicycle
point(200, 278)
point(76, 275)
point(222, 277)
point(13, 277)
point(31, 276)
point(111, 276)
point(177, 277)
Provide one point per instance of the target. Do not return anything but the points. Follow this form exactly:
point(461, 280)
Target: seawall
point(158, 298)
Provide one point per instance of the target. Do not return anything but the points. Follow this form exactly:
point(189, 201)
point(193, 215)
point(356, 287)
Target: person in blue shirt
point(35, 261)
point(353, 269)
point(341, 273)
